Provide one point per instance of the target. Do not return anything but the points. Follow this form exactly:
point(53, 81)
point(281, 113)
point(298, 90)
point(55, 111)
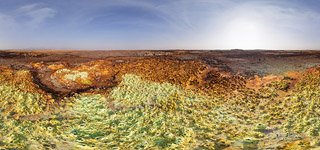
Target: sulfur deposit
point(183, 104)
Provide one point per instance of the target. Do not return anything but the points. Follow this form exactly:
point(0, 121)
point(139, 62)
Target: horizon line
point(173, 49)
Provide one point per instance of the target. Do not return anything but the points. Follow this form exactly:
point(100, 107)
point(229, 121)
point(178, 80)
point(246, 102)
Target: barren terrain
point(159, 99)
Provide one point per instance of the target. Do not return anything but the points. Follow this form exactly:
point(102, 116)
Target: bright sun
point(244, 33)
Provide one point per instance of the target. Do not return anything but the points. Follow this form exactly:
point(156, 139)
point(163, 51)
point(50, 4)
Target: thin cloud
point(203, 24)
point(6, 21)
point(172, 13)
point(36, 14)
point(30, 16)
point(267, 25)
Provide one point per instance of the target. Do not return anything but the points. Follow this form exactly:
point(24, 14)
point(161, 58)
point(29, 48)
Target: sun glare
point(244, 34)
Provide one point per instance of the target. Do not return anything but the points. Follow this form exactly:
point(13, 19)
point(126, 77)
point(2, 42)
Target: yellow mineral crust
point(128, 104)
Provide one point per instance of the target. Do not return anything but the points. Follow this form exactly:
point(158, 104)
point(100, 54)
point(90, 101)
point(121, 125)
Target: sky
point(160, 24)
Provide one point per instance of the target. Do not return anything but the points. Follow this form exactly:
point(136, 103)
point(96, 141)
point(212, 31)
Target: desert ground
point(173, 99)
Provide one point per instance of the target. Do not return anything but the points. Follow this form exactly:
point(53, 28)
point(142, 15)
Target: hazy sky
point(160, 24)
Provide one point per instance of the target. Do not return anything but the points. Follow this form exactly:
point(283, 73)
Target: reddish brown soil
point(218, 71)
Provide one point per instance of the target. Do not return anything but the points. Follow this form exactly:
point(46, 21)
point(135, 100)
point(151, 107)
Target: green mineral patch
point(15, 105)
point(15, 102)
point(143, 114)
point(303, 111)
point(74, 75)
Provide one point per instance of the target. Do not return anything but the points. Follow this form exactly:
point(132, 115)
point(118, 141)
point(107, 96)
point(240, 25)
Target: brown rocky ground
point(62, 73)
point(257, 84)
